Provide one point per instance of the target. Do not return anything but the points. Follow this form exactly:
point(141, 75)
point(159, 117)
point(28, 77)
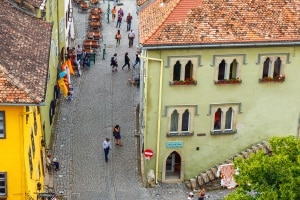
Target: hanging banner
point(70, 67)
point(63, 87)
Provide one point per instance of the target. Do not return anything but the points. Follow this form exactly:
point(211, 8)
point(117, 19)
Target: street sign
point(148, 153)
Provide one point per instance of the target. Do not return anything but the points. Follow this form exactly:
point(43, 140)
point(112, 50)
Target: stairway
point(209, 178)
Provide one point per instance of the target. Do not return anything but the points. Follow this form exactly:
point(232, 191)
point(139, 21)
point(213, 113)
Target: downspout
point(159, 111)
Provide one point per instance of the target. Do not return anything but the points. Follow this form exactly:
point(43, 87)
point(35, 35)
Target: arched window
point(233, 70)
point(174, 121)
point(266, 68)
point(228, 121)
point(185, 121)
point(188, 71)
point(218, 119)
point(221, 74)
point(176, 71)
point(277, 68)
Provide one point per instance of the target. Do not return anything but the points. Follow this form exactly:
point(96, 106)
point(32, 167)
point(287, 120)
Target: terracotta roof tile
point(182, 22)
point(25, 47)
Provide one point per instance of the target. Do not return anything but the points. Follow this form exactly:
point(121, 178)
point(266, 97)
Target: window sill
point(192, 82)
point(227, 132)
point(180, 134)
point(277, 80)
point(230, 81)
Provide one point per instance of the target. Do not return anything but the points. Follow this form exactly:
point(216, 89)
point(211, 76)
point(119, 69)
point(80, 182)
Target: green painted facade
point(263, 109)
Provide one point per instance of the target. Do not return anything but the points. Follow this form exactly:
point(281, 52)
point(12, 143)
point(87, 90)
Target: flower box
point(228, 81)
point(187, 82)
point(280, 79)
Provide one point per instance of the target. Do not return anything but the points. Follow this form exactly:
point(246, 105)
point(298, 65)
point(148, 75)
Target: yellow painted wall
point(14, 152)
point(268, 109)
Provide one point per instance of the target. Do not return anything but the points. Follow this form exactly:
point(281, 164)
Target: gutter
point(23, 104)
point(202, 46)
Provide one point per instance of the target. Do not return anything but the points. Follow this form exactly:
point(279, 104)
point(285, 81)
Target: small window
point(181, 121)
point(224, 118)
point(2, 124)
point(3, 185)
point(228, 69)
point(272, 69)
point(183, 71)
point(32, 143)
point(27, 115)
point(30, 162)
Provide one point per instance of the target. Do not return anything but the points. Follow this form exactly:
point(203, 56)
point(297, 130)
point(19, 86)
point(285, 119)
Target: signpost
point(148, 153)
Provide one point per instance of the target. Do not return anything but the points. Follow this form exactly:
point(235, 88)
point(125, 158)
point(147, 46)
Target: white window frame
point(240, 59)
point(3, 178)
point(183, 60)
point(181, 110)
point(2, 124)
point(236, 108)
point(273, 58)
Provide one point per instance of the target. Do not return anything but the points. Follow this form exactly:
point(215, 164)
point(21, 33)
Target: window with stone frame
point(180, 120)
point(3, 185)
point(2, 124)
point(224, 117)
point(228, 68)
point(183, 70)
point(272, 69)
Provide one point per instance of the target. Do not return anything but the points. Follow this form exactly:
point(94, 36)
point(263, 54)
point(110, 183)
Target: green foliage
point(274, 176)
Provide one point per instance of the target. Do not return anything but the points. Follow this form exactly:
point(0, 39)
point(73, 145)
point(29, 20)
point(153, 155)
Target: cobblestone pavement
point(101, 100)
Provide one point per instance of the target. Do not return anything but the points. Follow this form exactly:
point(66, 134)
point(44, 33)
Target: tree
point(270, 176)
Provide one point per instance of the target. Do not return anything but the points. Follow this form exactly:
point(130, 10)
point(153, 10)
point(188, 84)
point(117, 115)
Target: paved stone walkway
point(101, 100)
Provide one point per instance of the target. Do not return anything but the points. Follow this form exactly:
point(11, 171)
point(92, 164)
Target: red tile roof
point(182, 22)
point(25, 47)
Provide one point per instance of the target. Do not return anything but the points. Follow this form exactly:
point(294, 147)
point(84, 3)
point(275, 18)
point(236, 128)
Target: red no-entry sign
point(148, 153)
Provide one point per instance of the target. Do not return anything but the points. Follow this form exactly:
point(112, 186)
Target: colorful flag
point(63, 87)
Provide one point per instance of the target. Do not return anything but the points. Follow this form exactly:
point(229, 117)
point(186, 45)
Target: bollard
point(104, 49)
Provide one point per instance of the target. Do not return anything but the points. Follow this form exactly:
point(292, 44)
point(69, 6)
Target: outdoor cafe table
point(95, 25)
point(96, 11)
point(88, 44)
point(95, 35)
point(94, 17)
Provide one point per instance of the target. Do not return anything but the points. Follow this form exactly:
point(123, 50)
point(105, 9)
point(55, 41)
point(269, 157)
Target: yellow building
point(25, 42)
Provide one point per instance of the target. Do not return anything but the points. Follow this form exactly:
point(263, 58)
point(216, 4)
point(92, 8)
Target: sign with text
point(175, 144)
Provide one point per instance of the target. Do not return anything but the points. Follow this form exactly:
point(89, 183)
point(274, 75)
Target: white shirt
point(131, 34)
point(106, 144)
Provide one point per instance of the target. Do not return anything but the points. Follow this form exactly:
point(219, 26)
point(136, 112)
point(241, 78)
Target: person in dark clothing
point(127, 61)
point(137, 60)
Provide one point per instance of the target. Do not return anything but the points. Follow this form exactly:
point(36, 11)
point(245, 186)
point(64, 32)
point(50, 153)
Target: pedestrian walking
point(137, 60)
point(114, 63)
point(118, 37)
point(127, 61)
point(128, 21)
point(119, 21)
point(121, 12)
point(117, 135)
point(113, 13)
point(131, 36)
point(106, 148)
point(79, 53)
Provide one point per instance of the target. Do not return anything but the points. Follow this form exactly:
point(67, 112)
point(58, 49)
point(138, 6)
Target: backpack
point(112, 61)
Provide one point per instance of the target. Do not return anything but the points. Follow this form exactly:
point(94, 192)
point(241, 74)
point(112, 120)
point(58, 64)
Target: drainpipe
point(159, 110)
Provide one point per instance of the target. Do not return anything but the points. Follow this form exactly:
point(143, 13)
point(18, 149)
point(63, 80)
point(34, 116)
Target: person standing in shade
point(113, 13)
point(118, 37)
point(79, 53)
point(131, 36)
point(117, 134)
point(137, 60)
point(106, 148)
point(127, 61)
point(128, 21)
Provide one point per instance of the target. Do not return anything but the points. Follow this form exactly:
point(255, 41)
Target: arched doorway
point(173, 166)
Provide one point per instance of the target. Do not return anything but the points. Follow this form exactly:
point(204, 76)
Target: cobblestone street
point(101, 100)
